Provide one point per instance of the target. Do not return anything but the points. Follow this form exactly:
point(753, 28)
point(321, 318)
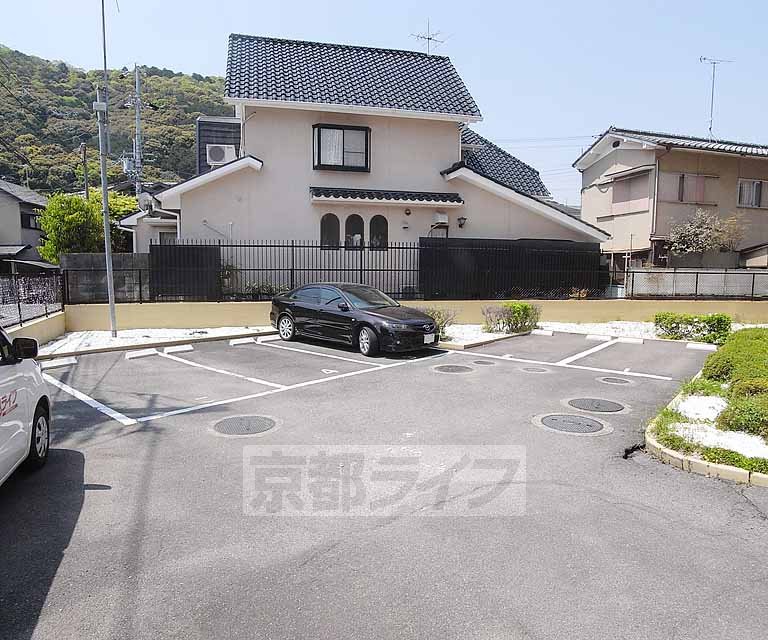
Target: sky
point(547, 75)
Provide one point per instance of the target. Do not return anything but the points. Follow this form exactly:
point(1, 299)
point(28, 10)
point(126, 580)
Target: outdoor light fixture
point(407, 212)
point(462, 221)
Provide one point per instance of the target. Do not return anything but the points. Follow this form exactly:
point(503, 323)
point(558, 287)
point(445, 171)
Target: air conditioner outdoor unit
point(440, 219)
point(218, 154)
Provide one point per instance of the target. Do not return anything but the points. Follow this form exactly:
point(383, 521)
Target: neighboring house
point(345, 145)
point(20, 231)
point(638, 184)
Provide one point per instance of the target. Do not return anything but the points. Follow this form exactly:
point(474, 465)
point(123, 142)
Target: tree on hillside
point(73, 224)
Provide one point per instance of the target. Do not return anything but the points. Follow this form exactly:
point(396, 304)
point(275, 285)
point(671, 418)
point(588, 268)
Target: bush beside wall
point(511, 317)
point(713, 328)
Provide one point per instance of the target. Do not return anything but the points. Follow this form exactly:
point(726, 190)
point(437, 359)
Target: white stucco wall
point(10, 220)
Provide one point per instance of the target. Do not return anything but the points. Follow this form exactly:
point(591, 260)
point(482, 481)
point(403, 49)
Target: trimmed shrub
point(743, 356)
point(704, 387)
point(443, 318)
point(713, 328)
point(749, 387)
point(748, 414)
point(511, 317)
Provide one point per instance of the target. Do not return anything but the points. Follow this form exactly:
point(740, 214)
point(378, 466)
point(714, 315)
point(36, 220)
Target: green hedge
point(749, 415)
point(713, 328)
point(511, 317)
point(744, 356)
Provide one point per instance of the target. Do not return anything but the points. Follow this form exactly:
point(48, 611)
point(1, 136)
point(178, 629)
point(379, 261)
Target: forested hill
point(46, 112)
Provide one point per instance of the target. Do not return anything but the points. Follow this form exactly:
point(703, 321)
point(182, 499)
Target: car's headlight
point(398, 326)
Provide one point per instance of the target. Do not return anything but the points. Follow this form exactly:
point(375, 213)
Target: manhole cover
point(535, 370)
point(571, 424)
point(244, 425)
point(596, 404)
point(453, 368)
point(484, 363)
point(611, 380)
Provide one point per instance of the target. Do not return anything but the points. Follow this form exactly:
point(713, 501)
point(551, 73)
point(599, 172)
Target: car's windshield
point(368, 298)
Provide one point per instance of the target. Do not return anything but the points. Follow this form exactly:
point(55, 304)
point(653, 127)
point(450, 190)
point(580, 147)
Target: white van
point(25, 407)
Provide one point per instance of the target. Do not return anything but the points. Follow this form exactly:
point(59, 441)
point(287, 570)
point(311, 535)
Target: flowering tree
point(701, 232)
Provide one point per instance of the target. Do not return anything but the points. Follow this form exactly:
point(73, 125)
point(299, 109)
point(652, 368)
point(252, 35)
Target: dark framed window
point(329, 231)
point(330, 297)
point(30, 221)
point(378, 238)
point(341, 147)
point(310, 295)
point(167, 237)
point(354, 232)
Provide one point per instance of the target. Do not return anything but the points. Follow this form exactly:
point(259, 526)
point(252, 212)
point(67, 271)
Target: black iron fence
point(431, 269)
point(24, 297)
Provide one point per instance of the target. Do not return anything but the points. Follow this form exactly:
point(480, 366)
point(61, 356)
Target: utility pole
point(714, 62)
point(105, 74)
point(137, 141)
point(84, 154)
point(100, 107)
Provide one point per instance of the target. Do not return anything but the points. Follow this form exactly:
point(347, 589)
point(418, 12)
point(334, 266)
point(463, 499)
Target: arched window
point(329, 231)
point(378, 238)
point(354, 231)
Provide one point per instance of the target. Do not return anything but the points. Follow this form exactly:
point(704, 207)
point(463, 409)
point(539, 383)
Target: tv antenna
point(429, 37)
point(714, 62)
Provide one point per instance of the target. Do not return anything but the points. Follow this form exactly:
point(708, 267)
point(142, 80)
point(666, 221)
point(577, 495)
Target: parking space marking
point(510, 358)
point(298, 385)
point(587, 352)
point(321, 354)
point(107, 411)
point(221, 371)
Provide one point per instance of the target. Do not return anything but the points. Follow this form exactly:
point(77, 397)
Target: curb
point(152, 345)
point(461, 347)
point(688, 463)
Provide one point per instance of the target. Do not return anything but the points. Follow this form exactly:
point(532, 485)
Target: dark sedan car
point(352, 314)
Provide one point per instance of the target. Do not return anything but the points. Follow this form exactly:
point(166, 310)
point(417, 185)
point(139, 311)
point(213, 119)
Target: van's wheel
point(40, 440)
point(286, 328)
point(368, 342)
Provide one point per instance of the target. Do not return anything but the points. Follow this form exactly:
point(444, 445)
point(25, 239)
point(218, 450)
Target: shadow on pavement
point(38, 513)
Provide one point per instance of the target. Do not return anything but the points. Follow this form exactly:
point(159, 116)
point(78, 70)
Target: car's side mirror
point(343, 306)
point(24, 348)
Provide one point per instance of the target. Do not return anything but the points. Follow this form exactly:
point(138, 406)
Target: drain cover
point(535, 369)
point(453, 368)
point(571, 424)
point(484, 362)
point(244, 425)
point(596, 404)
point(611, 380)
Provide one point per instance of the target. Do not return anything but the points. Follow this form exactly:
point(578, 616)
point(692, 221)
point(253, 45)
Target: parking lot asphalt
point(136, 528)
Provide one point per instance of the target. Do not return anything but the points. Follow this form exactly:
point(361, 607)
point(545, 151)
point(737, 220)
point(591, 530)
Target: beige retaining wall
point(43, 329)
point(170, 315)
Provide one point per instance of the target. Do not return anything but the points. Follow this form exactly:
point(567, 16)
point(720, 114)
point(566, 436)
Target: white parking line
point(107, 411)
point(57, 362)
point(509, 358)
point(221, 371)
point(322, 355)
point(299, 385)
point(587, 352)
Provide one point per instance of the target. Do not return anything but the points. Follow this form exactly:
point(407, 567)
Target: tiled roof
point(261, 68)
point(385, 195)
point(574, 212)
point(690, 142)
point(498, 165)
point(23, 194)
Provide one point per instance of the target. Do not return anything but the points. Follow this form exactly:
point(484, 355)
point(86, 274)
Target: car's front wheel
point(40, 440)
point(368, 342)
point(286, 328)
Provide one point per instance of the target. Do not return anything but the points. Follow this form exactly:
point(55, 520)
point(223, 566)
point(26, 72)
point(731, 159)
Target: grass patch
point(704, 387)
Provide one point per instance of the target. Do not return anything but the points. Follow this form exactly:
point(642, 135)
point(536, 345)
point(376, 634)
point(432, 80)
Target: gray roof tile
point(498, 165)
point(385, 195)
point(23, 194)
point(262, 68)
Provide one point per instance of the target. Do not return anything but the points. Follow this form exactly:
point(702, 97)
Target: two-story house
point(638, 184)
point(20, 231)
point(345, 145)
